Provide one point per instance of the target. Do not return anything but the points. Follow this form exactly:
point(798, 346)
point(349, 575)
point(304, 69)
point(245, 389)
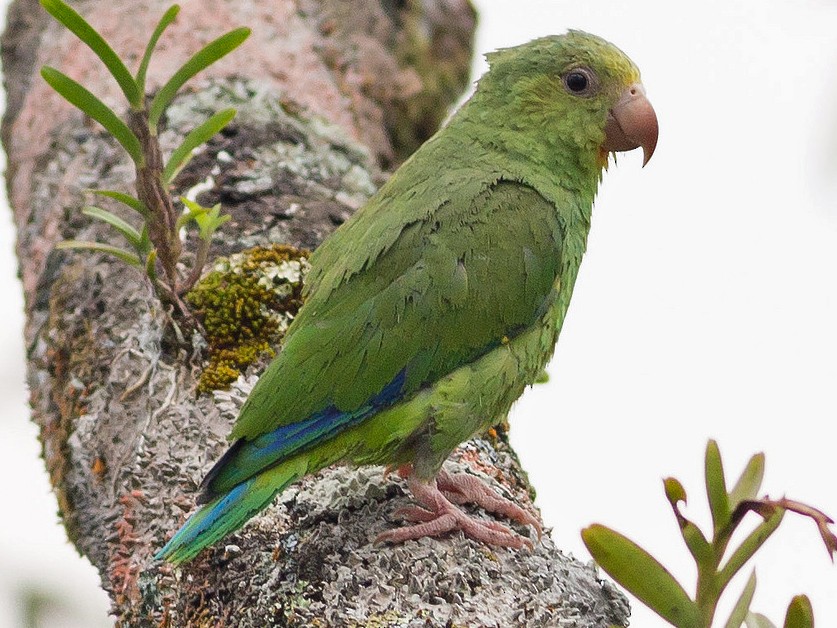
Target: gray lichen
point(320, 565)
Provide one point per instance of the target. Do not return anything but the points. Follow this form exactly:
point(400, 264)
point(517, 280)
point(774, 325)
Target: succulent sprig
point(717, 563)
point(154, 246)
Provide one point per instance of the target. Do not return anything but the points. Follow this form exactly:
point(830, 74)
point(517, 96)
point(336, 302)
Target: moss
point(245, 305)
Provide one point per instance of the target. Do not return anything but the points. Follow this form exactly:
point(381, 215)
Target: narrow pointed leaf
point(125, 256)
point(205, 57)
point(127, 230)
point(209, 222)
point(699, 547)
point(194, 211)
point(641, 574)
point(145, 241)
point(757, 620)
point(150, 265)
point(86, 33)
point(800, 613)
point(716, 488)
point(126, 199)
point(95, 108)
point(183, 153)
point(749, 546)
point(816, 515)
point(748, 485)
point(742, 606)
point(207, 230)
point(162, 25)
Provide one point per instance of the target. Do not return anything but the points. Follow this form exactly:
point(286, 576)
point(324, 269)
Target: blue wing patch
point(244, 459)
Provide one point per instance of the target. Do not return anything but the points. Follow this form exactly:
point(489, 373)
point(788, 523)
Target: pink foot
point(439, 515)
point(463, 488)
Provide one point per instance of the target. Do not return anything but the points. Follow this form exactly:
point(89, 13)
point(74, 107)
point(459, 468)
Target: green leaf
point(207, 219)
point(127, 230)
point(150, 262)
point(674, 491)
point(125, 256)
point(641, 574)
point(126, 199)
point(145, 241)
point(800, 613)
point(183, 153)
point(205, 57)
point(209, 222)
point(748, 485)
point(86, 33)
point(96, 109)
point(716, 488)
point(757, 620)
point(195, 210)
point(698, 546)
point(162, 25)
point(748, 547)
point(742, 606)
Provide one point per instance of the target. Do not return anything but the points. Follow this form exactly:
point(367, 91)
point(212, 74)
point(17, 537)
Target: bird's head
point(577, 87)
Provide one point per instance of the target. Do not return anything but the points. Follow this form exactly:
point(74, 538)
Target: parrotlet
point(430, 311)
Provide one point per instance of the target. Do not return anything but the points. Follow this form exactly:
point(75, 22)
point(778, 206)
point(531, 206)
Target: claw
point(438, 513)
point(414, 513)
point(463, 488)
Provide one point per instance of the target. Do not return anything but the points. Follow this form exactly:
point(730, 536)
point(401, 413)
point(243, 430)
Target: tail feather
point(229, 512)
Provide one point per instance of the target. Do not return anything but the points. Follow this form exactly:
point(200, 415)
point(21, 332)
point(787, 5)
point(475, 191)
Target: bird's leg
point(437, 515)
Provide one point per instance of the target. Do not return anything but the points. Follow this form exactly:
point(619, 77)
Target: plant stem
point(150, 190)
point(201, 256)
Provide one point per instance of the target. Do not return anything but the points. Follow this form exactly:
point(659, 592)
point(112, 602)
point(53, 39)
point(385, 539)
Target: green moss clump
point(245, 305)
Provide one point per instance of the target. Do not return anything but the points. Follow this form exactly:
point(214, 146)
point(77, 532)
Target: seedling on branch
point(155, 245)
point(717, 562)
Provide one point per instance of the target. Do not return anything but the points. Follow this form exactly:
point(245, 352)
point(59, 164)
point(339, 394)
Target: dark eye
point(576, 82)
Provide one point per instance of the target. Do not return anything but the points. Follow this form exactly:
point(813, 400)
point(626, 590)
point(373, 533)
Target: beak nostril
point(631, 123)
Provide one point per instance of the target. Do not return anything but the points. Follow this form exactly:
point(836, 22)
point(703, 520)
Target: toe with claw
point(438, 511)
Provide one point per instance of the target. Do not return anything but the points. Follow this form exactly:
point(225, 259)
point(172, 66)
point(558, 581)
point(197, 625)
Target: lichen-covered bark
point(327, 92)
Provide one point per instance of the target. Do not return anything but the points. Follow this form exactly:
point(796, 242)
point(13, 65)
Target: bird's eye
point(580, 81)
point(576, 82)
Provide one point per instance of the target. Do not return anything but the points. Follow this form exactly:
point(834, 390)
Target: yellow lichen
point(245, 305)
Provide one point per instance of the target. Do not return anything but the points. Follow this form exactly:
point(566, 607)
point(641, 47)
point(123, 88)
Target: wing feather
point(445, 289)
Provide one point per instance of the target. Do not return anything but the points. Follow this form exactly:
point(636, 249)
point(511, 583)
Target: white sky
point(706, 305)
point(707, 302)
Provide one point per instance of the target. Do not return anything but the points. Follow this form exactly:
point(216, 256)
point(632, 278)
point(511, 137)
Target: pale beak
point(632, 123)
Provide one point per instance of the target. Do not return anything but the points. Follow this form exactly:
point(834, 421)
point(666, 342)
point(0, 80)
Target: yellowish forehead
point(602, 55)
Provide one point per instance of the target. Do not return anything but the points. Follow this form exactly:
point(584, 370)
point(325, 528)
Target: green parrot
point(429, 311)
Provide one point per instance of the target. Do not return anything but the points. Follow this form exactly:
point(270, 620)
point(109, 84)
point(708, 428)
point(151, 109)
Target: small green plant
point(647, 579)
point(156, 244)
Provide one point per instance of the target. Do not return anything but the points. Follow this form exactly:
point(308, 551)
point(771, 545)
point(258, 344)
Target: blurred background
point(706, 308)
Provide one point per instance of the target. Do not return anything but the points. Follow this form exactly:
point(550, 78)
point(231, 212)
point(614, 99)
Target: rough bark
point(328, 93)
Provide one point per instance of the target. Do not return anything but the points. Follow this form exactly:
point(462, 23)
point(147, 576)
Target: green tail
point(230, 511)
